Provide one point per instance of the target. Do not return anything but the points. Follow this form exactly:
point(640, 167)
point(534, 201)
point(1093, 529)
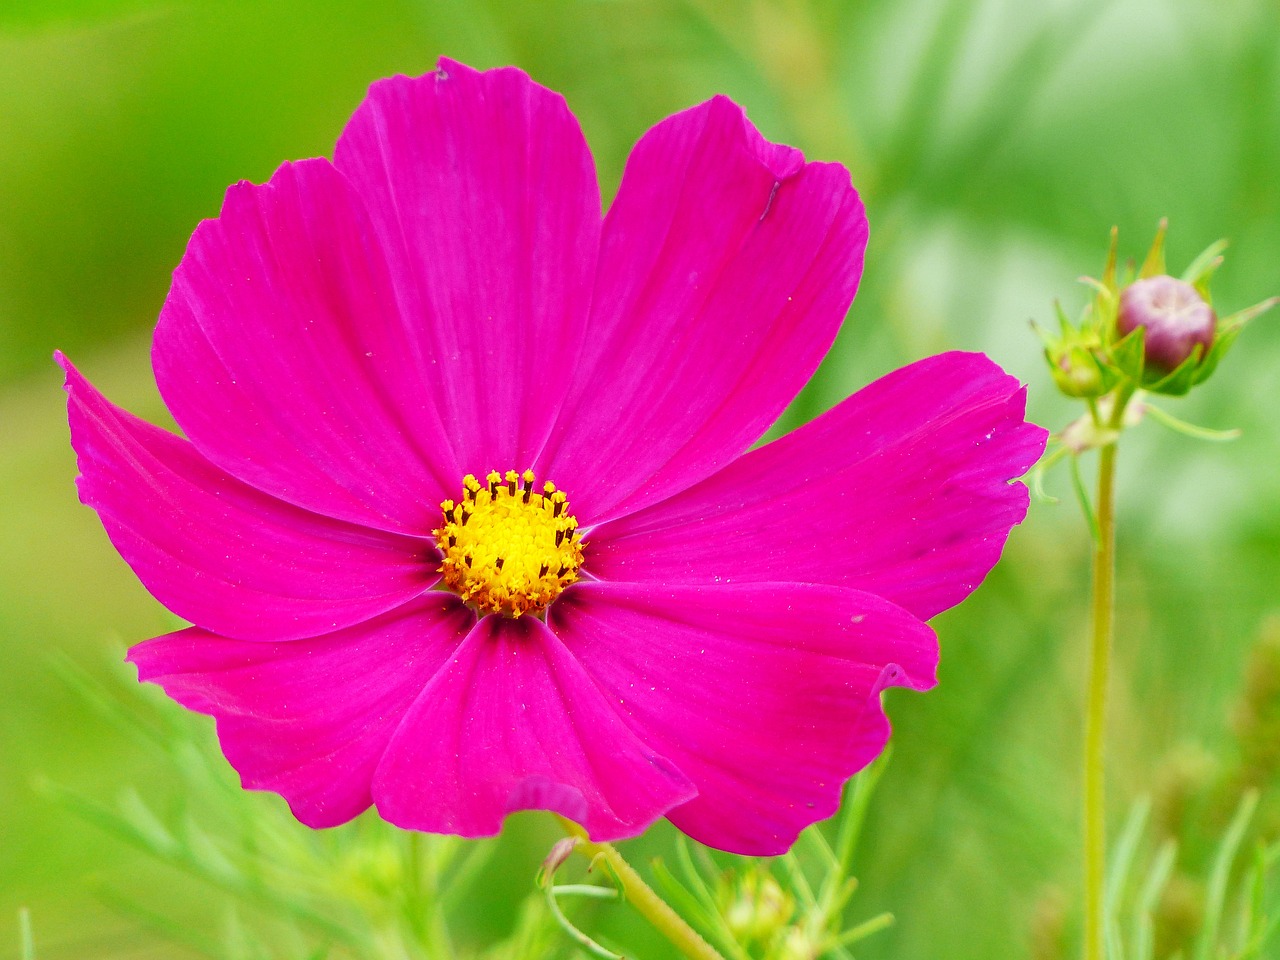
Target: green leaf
point(863, 930)
point(175, 932)
point(572, 932)
point(1144, 924)
point(685, 902)
point(1220, 876)
point(1077, 484)
point(1189, 429)
point(1118, 874)
point(853, 812)
point(698, 884)
point(799, 882)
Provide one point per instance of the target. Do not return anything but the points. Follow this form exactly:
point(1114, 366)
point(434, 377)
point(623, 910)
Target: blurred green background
point(995, 143)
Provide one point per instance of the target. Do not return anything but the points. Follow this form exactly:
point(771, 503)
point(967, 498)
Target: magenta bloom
point(384, 362)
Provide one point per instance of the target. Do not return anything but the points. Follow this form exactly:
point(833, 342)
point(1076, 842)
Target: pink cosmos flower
point(678, 627)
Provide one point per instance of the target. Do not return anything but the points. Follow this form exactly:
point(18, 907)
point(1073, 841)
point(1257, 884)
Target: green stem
point(1095, 736)
point(641, 896)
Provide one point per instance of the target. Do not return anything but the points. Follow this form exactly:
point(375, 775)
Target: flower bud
point(797, 945)
point(1076, 372)
point(759, 908)
point(1175, 318)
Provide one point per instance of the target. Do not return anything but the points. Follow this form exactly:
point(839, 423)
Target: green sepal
point(1109, 271)
point(1182, 379)
point(1241, 317)
point(1127, 354)
point(1064, 322)
point(1203, 268)
point(1221, 344)
point(1153, 265)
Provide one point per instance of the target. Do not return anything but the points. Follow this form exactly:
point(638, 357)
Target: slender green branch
point(641, 896)
point(1104, 577)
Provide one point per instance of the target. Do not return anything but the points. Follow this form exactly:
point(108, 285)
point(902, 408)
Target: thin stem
point(641, 896)
point(1095, 736)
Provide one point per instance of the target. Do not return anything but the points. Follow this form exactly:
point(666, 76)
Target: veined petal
point(902, 490)
point(221, 554)
point(483, 195)
point(282, 353)
point(726, 266)
point(765, 695)
point(513, 723)
point(310, 719)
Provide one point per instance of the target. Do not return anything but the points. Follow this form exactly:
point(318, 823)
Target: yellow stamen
point(507, 549)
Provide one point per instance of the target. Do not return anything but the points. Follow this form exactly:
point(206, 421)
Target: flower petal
point(283, 355)
point(765, 695)
point(902, 490)
point(483, 194)
point(726, 267)
point(513, 723)
point(221, 554)
point(310, 719)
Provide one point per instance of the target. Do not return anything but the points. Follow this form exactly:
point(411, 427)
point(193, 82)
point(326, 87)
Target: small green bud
point(1076, 372)
point(1072, 358)
point(758, 908)
point(797, 945)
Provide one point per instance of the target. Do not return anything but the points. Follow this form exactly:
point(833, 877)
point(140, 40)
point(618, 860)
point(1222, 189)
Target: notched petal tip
point(449, 74)
point(782, 161)
point(893, 675)
point(449, 69)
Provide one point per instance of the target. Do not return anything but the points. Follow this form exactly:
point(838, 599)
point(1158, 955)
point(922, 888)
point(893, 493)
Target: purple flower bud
point(1175, 316)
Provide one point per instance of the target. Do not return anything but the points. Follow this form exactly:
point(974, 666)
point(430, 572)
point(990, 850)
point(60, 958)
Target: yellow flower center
point(507, 549)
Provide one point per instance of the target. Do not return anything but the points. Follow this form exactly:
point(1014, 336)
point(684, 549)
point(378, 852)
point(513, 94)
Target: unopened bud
point(759, 907)
point(1076, 372)
point(1175, 317)
point(797, 945)
point(560, 852)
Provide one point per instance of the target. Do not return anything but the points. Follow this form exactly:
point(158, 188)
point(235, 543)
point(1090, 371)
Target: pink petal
point(902, 490)
point(310, 719)
point(483, 195)
point(283, 355)
point(218, 552)
point(513, 723)
point(726, 267)
point(765, 695)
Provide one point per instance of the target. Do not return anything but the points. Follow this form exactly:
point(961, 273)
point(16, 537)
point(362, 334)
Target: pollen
point(508, 548)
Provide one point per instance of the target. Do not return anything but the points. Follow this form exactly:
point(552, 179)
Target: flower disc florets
point(507, 549)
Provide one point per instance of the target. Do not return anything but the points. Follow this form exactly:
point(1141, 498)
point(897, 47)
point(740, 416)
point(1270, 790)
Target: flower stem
point(1104, 577)
point(641, 896)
